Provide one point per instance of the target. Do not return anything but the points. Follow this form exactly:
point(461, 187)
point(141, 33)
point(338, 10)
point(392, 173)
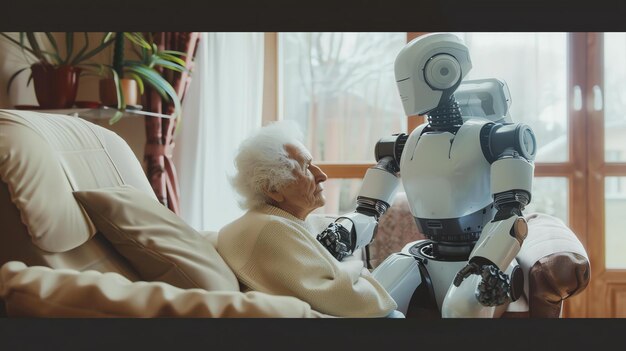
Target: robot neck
point(446, 116)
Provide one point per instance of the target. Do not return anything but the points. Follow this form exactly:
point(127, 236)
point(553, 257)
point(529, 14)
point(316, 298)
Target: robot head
point(429, 69)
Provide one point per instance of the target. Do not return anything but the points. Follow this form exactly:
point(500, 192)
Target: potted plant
point(131, 75)
point(55, 75)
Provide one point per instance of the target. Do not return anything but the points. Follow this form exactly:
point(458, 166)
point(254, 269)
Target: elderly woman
point(273, 247)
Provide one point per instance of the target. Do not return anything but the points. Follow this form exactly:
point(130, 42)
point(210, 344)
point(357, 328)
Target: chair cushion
point(155, 241)
point(44, 292)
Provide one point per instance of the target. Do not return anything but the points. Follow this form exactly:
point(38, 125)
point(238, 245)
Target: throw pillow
point(156, 242)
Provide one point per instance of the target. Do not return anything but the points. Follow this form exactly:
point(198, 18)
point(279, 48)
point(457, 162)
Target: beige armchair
point(82, 235)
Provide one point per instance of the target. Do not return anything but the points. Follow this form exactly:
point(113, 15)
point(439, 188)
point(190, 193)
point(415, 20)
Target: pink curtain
point(160, 131)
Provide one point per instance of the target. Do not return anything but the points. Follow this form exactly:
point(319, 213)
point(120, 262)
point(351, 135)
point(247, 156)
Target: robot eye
point(442, 71)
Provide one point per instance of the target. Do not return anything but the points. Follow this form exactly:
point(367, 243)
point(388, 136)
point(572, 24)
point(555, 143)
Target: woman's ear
point(274, 195)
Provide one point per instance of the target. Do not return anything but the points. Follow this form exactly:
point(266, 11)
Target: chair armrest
point(44, 292)
point(553, 279)
point(555, 265)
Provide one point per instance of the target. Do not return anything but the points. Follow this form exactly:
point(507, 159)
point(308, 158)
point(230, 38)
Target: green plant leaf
point(13, 77)
point(173, 52)
point(138, 39)
point(52, 41)
point(169, 65)
point(69, 45)
point(86, 56)
point(32, 41)
point(151, 60)
point(152, 78)
point(137, 79)
point(116, 117)
point(173, 59)
point(121, 104)
point(55, 59)
point(144, 56)
point(30, 78)
point(162, 86)
point(108, 36)
point(81, 51)
point(23, 47)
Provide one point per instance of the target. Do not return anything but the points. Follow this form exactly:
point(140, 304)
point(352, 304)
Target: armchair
point(67, 250)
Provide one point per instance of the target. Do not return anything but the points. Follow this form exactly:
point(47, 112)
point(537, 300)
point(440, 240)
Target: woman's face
point(305, 193)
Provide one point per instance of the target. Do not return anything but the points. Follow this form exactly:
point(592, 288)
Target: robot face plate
point(428, 66)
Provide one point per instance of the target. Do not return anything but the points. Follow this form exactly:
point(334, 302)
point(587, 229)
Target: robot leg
point(407, 281)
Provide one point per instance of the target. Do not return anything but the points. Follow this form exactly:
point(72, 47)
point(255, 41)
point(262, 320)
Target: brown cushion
point(554, 278)
point(156, 242)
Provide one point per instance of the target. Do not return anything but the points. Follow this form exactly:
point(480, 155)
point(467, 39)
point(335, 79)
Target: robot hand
point(348, 234)
point(494, 288)
point(337, 240)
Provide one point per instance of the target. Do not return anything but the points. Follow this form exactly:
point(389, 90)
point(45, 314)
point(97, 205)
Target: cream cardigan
point(274, 252)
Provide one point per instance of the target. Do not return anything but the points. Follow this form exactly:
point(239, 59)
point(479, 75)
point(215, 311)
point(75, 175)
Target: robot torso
point(447, 181)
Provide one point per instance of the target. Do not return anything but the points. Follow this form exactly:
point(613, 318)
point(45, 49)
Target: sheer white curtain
point(222, 106)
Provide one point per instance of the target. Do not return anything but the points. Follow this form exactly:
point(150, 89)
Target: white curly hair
point(262, 162)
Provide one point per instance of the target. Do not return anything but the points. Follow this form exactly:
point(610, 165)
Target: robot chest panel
point(447, 175)
point(451, 156)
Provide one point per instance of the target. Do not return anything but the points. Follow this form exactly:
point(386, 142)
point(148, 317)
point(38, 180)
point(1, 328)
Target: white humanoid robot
point(467, 174)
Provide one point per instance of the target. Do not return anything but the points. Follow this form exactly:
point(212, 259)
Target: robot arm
point(511, 149)
point(355, 230)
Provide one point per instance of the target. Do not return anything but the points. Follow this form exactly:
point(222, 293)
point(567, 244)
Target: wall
point(12, 59)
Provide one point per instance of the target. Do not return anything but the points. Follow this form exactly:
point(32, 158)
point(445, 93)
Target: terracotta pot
point(55, 87)
point(108, 95)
